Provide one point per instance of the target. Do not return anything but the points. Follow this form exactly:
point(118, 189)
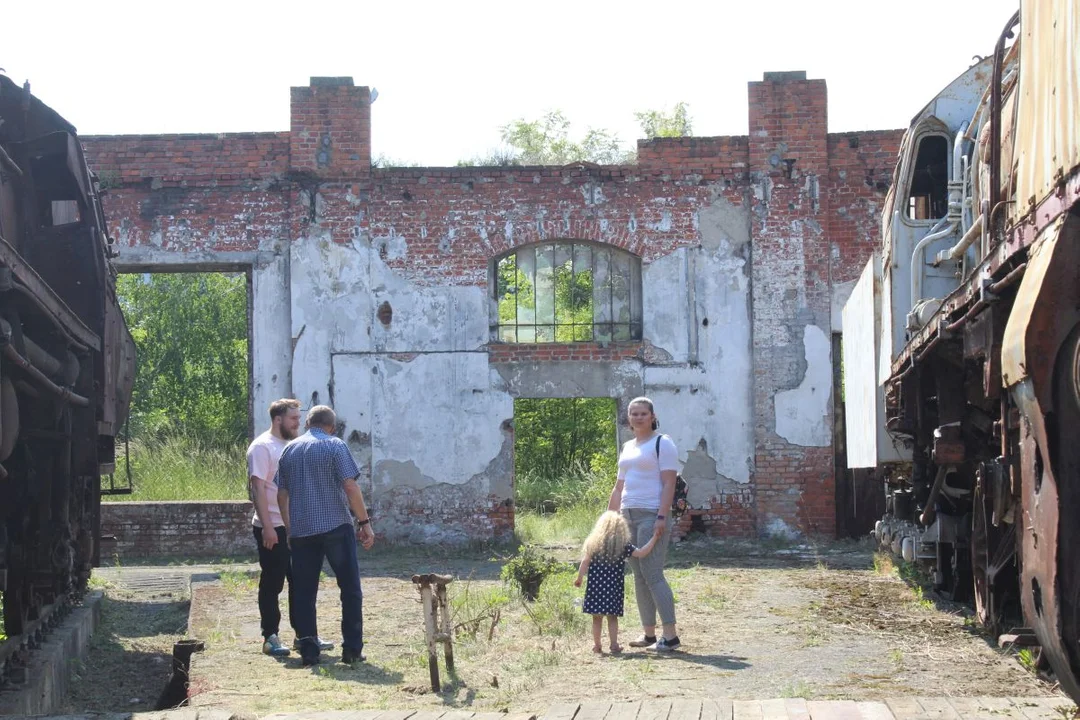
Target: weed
point(713, 597)
point(897, 656)
point(556, 610)
point(1027, 660)
point(883, 564)
point(797, 689)
point(1067, 712)
point(473, 608)
point(239, 582)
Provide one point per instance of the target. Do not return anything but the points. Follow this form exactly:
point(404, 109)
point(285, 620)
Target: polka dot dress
point(604, 586)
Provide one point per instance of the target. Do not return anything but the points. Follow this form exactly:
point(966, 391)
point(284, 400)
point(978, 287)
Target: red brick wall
point(176, 529)
point(860, 173)
point(814, 222)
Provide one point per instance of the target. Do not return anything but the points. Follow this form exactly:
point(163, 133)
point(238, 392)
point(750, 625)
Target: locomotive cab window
point(928, 197)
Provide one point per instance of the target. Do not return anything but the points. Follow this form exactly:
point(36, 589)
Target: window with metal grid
point(565, 292)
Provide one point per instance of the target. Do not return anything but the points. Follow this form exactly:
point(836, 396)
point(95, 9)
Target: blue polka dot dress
point(604, 585)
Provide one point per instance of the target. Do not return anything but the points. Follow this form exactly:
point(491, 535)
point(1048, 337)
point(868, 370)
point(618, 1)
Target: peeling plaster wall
point(371, 294)
point(802, 414)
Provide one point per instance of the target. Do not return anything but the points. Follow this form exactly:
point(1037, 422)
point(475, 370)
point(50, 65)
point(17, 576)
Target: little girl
point(603, 559)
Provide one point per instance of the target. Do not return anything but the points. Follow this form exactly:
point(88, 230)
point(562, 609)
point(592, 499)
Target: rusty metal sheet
point(1048, 118)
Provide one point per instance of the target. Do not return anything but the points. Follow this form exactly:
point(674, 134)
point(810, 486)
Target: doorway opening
point(565, 453)
point(190, 416)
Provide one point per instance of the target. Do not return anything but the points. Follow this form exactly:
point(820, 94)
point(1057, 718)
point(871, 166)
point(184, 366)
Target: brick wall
point(176, 529)
point(814, 200)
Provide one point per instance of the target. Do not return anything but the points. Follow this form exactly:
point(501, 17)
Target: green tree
point(547, 141)
point(190, 333)
point(556, 437)
point(657, 123)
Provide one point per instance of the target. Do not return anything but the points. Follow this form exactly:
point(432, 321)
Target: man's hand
point(269, 537)
point(366, 536)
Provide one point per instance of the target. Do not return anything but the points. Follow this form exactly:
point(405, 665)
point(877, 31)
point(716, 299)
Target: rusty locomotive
point(962, 340)
point(66, 369)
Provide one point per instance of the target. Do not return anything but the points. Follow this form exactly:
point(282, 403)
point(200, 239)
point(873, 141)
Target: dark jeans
point(275, 572)
point(339, 548)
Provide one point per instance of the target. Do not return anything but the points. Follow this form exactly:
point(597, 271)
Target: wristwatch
point(362, 523)
point(661, 517)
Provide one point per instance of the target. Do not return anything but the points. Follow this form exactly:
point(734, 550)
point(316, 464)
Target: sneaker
point(665, 645)
point(643, 641)
point(272, 646)
point(351, 656)
point(323, 644)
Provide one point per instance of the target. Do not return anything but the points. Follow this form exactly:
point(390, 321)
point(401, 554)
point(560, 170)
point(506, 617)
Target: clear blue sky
point(450, 74)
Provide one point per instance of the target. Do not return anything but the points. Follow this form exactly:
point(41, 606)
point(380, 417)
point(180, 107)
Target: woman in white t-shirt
point(644, 490)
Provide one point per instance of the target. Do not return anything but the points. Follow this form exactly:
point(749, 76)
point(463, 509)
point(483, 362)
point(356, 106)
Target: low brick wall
point(178, 529)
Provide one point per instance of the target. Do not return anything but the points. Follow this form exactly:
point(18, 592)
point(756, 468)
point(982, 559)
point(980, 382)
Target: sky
point(451, 74)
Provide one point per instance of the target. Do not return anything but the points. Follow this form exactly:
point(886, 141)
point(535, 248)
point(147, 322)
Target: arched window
point(567, 292)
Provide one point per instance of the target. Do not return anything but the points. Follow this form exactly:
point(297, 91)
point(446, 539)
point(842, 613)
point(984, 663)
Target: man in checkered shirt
point(317, 488)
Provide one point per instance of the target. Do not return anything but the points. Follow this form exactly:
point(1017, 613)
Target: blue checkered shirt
point(313, 470)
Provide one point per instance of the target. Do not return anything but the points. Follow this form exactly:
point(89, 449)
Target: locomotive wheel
point(993, 564)
point(1065, 452)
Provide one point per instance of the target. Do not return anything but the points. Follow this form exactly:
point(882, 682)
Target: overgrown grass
point(562, 510)
point(534, 492)
point(568, 526)
point(181, 468)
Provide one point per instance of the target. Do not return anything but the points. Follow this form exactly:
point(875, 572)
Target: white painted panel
point(868, 444)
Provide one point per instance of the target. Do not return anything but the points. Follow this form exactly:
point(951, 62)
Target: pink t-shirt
point(262, 460)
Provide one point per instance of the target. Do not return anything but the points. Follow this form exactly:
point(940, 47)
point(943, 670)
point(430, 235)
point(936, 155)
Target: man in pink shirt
point(262, 458)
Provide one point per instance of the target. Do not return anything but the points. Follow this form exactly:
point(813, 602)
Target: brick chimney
point(789, 124)
point(330, 129)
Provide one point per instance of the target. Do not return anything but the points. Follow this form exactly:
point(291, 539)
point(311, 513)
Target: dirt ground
point(755, 622)
point(130, 658)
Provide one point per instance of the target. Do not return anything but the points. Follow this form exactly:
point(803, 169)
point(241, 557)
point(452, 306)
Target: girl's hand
point(577, 582)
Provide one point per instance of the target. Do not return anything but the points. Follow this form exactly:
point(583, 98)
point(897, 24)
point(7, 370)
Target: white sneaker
point(323, 644)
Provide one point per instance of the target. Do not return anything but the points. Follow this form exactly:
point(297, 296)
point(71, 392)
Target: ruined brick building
point(718, 267)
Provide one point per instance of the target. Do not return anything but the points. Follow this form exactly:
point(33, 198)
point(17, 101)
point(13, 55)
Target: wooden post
point(436, 622)
point(429, 632)
point(444, 615)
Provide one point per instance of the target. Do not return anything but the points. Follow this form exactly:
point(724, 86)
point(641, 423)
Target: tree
point(547, 142)
point(190, 333)
point(657, 123)
point(556, 438)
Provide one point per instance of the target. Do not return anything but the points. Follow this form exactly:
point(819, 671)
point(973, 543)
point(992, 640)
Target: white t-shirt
point(262, 461)
point(639, 469)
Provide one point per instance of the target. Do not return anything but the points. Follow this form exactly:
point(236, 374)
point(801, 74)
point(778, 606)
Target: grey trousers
point(650, 586)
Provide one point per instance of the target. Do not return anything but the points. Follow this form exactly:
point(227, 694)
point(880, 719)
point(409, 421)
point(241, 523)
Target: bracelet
point(661, 517)
point(362, 523)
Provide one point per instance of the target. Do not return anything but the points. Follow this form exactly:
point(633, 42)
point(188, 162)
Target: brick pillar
point(330, 129)
point(793, 477)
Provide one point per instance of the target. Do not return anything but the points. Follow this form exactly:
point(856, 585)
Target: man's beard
point(287, 434)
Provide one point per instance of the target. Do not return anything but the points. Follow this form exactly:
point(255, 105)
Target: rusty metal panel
point(868, 443)
point(1048, 119)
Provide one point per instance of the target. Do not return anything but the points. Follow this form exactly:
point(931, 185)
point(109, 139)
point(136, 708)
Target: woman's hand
point(659, 527)
point(577, 582)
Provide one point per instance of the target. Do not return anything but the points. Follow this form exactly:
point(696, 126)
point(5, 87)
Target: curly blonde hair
point(608, 538)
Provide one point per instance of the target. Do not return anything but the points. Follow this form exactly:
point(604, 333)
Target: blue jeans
point(339, 548)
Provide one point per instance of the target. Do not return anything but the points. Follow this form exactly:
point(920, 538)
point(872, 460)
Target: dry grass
point(751, 627)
